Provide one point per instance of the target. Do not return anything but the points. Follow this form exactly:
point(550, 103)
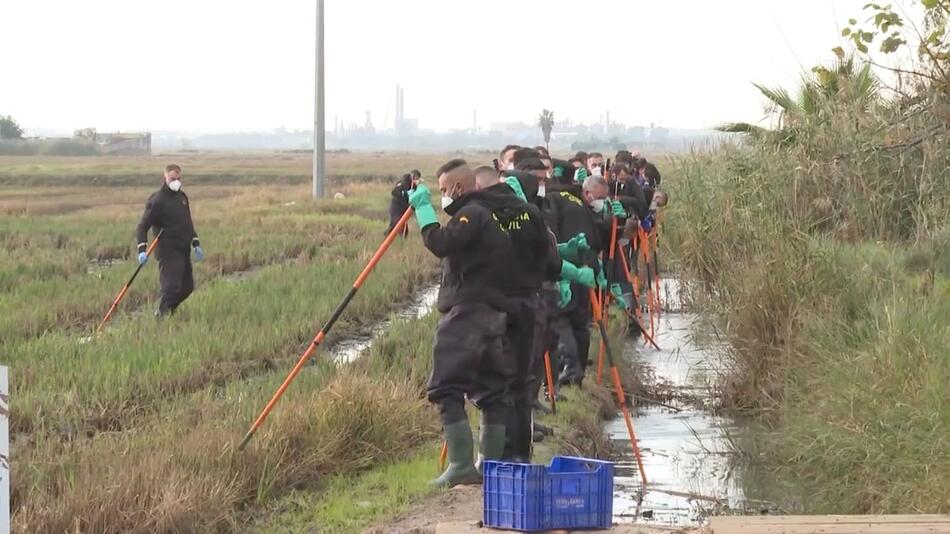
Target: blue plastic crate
point(570, 493)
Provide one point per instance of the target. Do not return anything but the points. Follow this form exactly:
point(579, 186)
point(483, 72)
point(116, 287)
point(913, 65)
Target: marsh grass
point(825, 261)
point(135, 430)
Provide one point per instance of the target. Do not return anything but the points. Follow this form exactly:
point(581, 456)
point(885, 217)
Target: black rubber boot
point(461, 470)
point(522, 440)
point(491, 443)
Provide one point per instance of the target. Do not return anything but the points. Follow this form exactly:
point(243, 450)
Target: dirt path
point(459, 511)
point(462, 503)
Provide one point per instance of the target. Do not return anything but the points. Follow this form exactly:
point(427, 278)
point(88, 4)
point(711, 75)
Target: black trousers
point(176, 278)
point(573, 329)
point(545, 341)
point(469, 359)
point(520, 346)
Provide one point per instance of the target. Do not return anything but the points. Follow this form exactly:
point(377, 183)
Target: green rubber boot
point(491, 443)
point(458, 438)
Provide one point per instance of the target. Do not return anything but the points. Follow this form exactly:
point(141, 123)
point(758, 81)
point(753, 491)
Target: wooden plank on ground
point(831, 524)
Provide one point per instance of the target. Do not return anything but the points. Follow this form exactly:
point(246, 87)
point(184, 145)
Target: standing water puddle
point(691, 469)
point(350, 349)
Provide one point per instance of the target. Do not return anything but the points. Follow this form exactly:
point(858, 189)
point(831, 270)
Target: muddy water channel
point(690, 457)
point(350, 349)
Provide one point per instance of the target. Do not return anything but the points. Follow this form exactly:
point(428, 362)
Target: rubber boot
point(458, 438)
point(522, 434)
point(491, 443)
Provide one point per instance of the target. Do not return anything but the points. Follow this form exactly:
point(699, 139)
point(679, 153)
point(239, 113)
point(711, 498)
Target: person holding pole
point(400, 200)
point(468, 355)
point(524, 336)
point(572, 212)
point(169, 212)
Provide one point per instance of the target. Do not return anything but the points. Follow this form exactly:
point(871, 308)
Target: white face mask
point(446, 202)
point(597, 205)
point(174, 185)
point(596, 171)
point(510, 167)
point(541, 190)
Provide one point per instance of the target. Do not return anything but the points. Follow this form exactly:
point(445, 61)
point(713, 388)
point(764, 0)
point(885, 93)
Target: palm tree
point(546, 123)
point(845, 82)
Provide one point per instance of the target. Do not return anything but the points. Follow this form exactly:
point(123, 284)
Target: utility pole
point(319, 132)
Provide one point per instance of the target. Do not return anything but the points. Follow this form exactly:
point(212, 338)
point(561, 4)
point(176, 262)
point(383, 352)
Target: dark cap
point(531, 164)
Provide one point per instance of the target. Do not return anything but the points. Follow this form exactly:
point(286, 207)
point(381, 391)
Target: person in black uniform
point(469, 356)
point(571, 212)
point(526, 332)
point(400, 200)
point(629, 206)
point(168, 210)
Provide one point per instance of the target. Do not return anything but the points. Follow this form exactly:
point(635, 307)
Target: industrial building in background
point(118, 143)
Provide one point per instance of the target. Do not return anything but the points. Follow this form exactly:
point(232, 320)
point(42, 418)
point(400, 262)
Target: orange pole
point(656, 258)
point(552, 394)
point(656, 274)
point(636, 317)
point(326, 328)
point(606, 295)
point(621, 397)
point(645, 249)
point(443, 455)
point(633, 282)
point(125, 288)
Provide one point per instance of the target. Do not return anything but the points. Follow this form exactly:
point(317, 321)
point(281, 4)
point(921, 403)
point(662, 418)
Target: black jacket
point(552, 261)
point(631, 196)
point(567, 172)
point(652, 175)
point(168, 210)
point(567, 215)
point(478, 257)
point(400, 201)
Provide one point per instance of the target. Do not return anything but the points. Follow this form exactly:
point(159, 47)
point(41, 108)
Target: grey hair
point(593, 182)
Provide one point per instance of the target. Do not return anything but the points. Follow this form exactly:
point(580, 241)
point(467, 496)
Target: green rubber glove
point(580, 175)
point(581, 275)
point(574, 248)
point(515, 186)
point(617, 295)
point(616, 209)
point(421, 201)
point(601, 279)
point(564, 293)
point(558, 172)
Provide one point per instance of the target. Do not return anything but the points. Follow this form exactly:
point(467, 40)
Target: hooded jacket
point(168, 210)
point(480, 260)
point(568, 215)
point(550, 268)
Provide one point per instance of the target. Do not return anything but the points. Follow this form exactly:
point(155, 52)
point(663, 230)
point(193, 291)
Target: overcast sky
point(216, 65)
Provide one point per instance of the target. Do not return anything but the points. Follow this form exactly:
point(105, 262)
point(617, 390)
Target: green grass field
point(136, 429)
point(149, 412)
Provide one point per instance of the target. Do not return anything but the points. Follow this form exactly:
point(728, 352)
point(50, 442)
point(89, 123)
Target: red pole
point(618, 390)
point(125, 288)
point(552, 394)
point(326, 328)
point(443, 455)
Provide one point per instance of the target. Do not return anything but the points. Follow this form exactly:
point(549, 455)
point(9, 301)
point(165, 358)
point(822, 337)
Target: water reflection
point(687, 453)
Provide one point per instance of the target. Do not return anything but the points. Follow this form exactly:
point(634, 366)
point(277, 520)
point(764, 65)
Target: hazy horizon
point(246, 66)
